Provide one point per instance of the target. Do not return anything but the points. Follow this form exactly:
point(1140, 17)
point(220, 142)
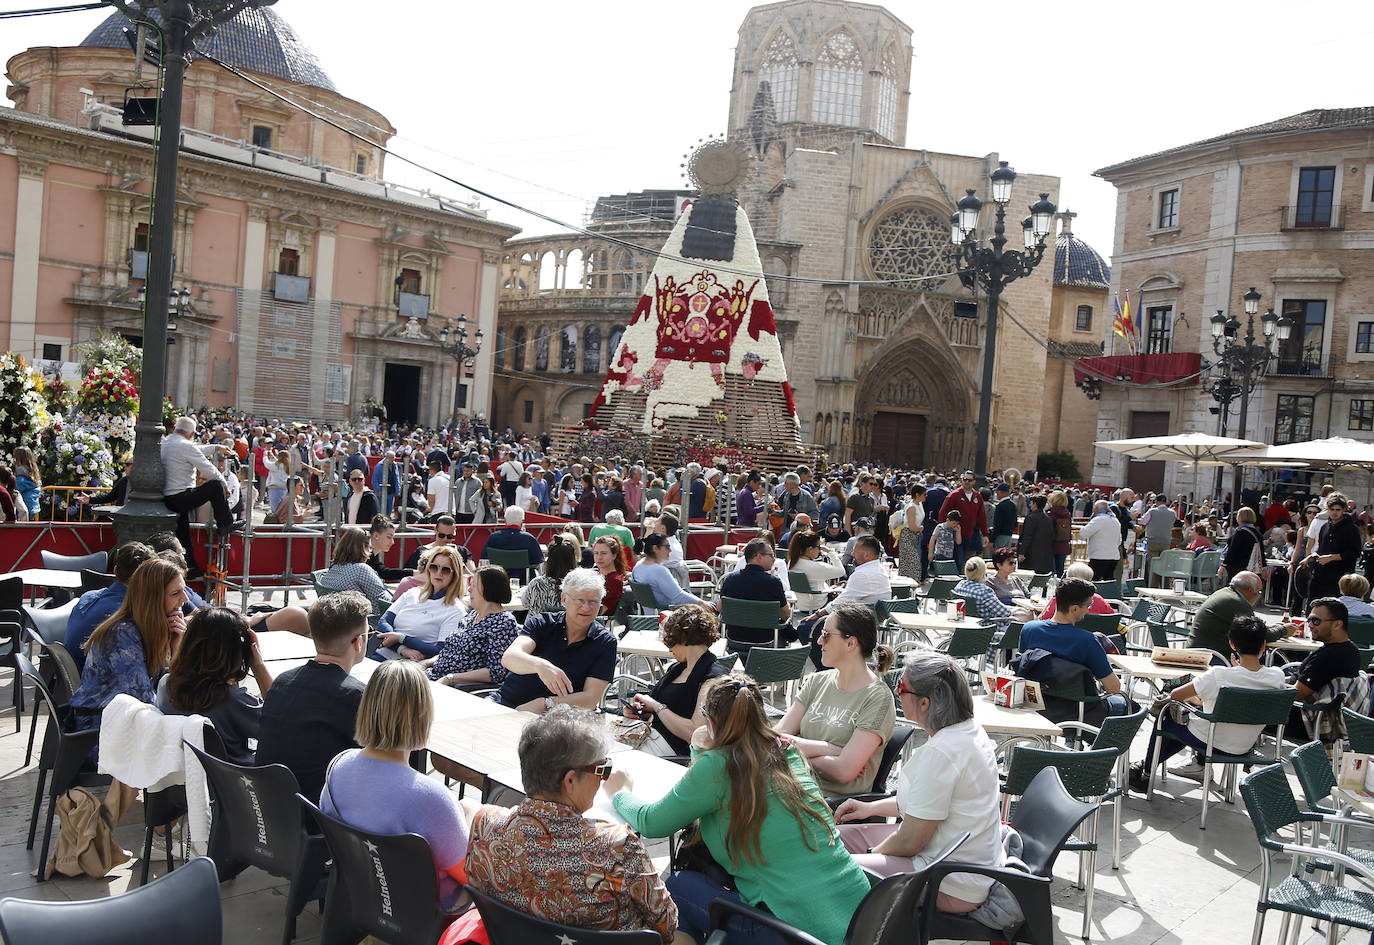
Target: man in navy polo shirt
point(755, 581)
point(562, 658)
point(514, 538)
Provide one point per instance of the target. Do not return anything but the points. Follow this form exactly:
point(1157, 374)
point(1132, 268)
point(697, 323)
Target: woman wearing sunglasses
point(762, 819)
point(423, 617)
point(948, 788)
point(843, 716)
point(544, 858)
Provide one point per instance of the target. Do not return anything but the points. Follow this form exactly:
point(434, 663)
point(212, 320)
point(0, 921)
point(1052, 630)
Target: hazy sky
point(552, 104)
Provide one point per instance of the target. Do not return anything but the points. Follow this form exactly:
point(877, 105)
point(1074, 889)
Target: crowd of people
point(824, 547)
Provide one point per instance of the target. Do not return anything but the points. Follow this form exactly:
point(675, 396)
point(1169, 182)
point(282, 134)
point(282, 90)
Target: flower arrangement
point(108, 389)
point(72, 456)
point(21, 404)
point(116, 430)
point(57, 394)
point(170, 412)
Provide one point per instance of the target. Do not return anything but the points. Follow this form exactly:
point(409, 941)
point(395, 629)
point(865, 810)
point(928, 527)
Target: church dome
point(256, 40)
point(1078, 264)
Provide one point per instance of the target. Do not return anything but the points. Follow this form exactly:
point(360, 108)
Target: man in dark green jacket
point(1212, 623)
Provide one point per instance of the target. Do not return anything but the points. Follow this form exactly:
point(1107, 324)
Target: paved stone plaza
point(1177, 884)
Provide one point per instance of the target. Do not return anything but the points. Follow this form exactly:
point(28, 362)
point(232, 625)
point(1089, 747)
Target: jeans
point(1177, 737)
point(693, 893)
point(1059, 565)
point(970, 546)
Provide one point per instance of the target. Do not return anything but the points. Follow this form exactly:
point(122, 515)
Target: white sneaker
point(1191, 771)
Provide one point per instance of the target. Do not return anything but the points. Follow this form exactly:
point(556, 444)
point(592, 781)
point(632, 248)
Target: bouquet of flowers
point(108, 389)
point(21, 404)
point(72, 456)
point(117, 430)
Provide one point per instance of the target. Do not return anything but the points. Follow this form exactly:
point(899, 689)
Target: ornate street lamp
point(1241, 362)
point(183, 22)
point(461, 353)
point(995, 267)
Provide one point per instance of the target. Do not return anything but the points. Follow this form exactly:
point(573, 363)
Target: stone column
point(323, 290)
point(28, 218)
point(479, 397)
point(254, 246)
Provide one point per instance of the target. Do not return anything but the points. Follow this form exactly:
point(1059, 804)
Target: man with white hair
point(514, 538)
point(614, 525)
point(1103, 535)
point(1212, 623)
point(181, 460)
point(795, 500)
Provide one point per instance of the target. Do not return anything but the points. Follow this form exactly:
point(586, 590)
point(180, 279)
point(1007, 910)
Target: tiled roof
point(1078, 264)
point(1315, 119)
point(257, 40)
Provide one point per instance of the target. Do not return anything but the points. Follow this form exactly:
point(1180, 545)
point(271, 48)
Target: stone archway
point(914, 406)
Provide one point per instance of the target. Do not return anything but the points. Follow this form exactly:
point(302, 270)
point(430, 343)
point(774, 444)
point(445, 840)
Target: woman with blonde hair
point(128, 651)
point(374, 787)
point(420, 620)
point(761, 817)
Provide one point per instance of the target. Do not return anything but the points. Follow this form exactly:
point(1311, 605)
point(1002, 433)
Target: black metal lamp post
point(183, 22)
point(462, 355)
point(994, 267)
point(1242, 362)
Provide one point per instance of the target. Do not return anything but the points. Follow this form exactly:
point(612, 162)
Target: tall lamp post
point(994, 267)
point(461, 354)
point(1242, 362)
point(183, 22)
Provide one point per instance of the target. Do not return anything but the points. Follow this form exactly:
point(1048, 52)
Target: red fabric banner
point(1140, 368)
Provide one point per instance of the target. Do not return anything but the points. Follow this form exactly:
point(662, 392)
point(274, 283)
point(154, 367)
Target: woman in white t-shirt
point(948, 788)
point(1248, 641)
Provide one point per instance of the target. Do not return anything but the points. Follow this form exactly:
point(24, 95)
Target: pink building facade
point(313, 283)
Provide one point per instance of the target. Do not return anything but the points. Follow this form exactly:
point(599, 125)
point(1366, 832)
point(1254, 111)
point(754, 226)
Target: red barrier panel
point(21, 542)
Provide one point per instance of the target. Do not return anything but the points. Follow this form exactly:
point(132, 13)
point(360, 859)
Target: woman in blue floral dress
point(128, 652)
point(472, 653)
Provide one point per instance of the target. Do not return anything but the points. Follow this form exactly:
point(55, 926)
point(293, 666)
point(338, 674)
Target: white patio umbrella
point(1334, 452)
point(1191, 447)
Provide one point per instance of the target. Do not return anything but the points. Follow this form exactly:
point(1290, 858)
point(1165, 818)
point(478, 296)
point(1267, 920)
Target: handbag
point(693, 854)
point(85, 842)
point(632, 732)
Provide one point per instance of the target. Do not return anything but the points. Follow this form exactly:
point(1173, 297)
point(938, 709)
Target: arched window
point(548, 272)
point(779, 69)
point(499, 355)
point(567, 355)
point(591, 350)
point(574, 270)
point(885, 121)
point(839, 87)
point(541, 348)
point(613, 342)
point(517, 360)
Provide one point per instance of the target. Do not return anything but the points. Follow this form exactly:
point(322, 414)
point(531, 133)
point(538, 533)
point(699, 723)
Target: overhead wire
point(44, 11)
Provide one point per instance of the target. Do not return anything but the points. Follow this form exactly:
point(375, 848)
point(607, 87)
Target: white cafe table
point(898, 580)
point(284, 645)
point(647, 643)
point(1168, 594)
point(936, 621)
point(34, 578)
point(1000, 720)
point(653, 778)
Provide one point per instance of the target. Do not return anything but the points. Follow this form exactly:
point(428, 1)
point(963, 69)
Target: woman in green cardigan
point(780, 844)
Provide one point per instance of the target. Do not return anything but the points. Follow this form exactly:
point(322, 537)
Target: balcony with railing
point(288, 288)
point(1312, 216)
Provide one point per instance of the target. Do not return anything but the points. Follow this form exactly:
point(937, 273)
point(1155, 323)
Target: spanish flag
point(1121, 322)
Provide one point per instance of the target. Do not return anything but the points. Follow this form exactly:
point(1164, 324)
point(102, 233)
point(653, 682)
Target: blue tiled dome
point(257, 40)
point(1078, 264)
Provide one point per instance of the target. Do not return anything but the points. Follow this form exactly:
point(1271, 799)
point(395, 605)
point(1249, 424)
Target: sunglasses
point(440, 569)
point(602, 769)
point(445, 534)
point(904, 690)
point(355, 478)
point(1314, 620)
point(825, 635)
